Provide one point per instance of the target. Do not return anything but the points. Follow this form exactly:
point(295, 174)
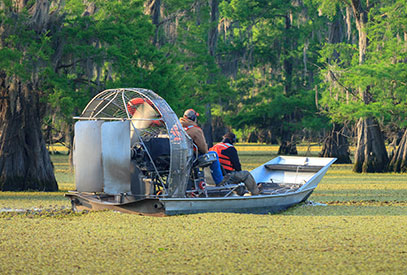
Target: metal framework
point(159, 121)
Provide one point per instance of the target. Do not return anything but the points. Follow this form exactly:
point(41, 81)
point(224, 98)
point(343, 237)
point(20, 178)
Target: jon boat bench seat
point(293, 167)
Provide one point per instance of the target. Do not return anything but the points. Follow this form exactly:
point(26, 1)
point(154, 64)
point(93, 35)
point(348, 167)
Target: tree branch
point(343, 86)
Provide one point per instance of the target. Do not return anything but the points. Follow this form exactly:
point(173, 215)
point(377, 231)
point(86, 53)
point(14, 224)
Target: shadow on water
point(50, 197)
point(350, 208)
point(381, 195)
point(29, 200)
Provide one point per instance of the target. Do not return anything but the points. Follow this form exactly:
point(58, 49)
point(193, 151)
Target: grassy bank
point(361, 230)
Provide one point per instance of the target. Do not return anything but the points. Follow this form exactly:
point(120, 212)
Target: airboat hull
point(261, 204)
point(287, 181)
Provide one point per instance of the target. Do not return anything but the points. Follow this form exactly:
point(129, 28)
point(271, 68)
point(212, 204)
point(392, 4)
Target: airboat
point(131, 154)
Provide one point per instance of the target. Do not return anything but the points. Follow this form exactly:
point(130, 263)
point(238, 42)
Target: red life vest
point(223, 159)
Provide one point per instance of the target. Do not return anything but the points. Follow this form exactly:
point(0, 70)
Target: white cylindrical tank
point(88, 156)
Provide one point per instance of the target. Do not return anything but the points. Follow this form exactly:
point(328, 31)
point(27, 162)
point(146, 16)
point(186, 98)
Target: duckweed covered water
point(361, 230)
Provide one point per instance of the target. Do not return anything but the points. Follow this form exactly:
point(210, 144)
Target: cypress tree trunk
point(207, 128)
point(398, 162)
point(336, 145)
point(371, 154)
point(213, 29)
point(287, 146)
point(153, 8)
point(212, 42)
point(288, 61)
point(24, 160)
point(219, 128)
point(253, 137)
point(69, 138)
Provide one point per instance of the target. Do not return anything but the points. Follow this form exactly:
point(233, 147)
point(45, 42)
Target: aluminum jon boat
point(132, 155)
point(286, 181)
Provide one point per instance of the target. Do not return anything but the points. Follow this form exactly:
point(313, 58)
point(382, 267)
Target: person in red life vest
point(227, 153)
point(189, 123)
point(230, 162)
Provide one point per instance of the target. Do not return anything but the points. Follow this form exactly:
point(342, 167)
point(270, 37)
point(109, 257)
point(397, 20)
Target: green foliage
point(248, 12)
point(109, 49)
point(274, 89)
point(9, 60)
point(273, 110)
point(23, 50)
point(200, 79)
point(329, 8)
point(382, 74)
point(271, 58)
